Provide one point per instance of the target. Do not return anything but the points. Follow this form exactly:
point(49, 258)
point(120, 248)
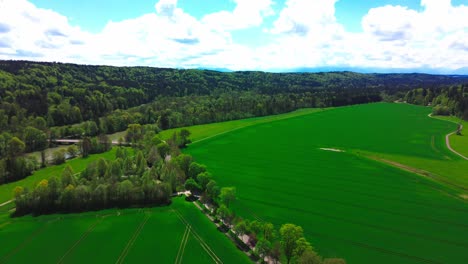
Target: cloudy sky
point(270, 35)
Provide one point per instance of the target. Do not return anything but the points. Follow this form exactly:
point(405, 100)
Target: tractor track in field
point(203, 244)
point(347, 190)
point(132, 240)
point(83, 236)
point(390, 212)
point(373, 226)
point(374, 248)
point(28, 240)
point(183, 244)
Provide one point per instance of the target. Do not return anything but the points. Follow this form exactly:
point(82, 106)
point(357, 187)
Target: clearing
point(350, 205)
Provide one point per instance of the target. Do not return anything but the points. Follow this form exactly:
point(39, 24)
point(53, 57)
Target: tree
point(195, 169)
point(163, 149)
point(68, 177)
point(72, 151)
point(85, 147)
point(183, 138)
point(240, 228)
point(263, 248)
point(227, 195)
point(58, 157)
point(203, 179)
point(290, 233)
point(268, 231)
point(34, 139)
point(192, 186)
point(16, 147)
point(309, 257)
point(213, 190)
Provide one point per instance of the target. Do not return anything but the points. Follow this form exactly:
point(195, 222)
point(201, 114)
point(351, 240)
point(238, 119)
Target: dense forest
point(451, 100)
point(40, 102)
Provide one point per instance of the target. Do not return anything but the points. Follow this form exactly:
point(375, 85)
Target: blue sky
point(380, 35)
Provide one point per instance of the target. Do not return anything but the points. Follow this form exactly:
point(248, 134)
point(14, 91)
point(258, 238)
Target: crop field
point(350, 205)
point(179, 233)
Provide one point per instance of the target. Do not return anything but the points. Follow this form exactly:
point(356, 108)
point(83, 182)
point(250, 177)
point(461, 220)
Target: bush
point(58, 157)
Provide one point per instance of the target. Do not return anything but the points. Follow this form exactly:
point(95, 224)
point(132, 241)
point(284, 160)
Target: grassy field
point(202, 132)
point(350, 205)
point(458, 142)
point(127, 236)
point(78, 165)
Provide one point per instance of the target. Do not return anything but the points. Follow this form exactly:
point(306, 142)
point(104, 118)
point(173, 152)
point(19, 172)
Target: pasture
point(350, 205)
point(178, 233)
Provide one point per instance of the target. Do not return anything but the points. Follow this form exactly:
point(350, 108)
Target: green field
point(78, 165)
point(127, 236)
point(350, 205)
point(458, 142)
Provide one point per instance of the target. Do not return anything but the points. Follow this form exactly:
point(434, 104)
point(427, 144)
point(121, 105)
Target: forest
point(451, 100)
point(40, 102)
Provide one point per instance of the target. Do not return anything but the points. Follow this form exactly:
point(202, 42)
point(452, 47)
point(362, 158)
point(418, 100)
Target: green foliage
point(227, 195)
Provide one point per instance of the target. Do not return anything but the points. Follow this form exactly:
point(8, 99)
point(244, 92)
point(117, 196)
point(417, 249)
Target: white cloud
point(304, 34)
point(247, 14)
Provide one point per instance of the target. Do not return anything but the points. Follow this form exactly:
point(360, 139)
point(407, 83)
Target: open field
point(202, 132)
point(112, 236)
point(459, 143)
point(78, 165)
point(350, 205)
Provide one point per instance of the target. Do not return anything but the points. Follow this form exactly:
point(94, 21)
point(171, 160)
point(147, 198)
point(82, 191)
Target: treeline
point(54, 98)
point(452, 100)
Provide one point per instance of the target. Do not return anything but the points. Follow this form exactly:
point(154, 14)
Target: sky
point(268, 35)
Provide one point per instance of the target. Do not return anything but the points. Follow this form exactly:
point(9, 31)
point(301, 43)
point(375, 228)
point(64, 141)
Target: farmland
point(349, 204)
point(166, 234)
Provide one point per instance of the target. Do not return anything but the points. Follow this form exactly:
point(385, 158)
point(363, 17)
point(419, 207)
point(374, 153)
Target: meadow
point(179, 233)
point(349, 204)
point(77, 164)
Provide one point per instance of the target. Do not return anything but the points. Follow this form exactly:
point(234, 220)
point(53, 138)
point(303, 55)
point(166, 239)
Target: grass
point(458, 142)
point(202, 132)
point(78, 165)
point(350, 205)
point(110, 236)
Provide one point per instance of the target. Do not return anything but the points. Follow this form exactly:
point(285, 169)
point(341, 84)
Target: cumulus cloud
point(303, 34)
point(246, 14)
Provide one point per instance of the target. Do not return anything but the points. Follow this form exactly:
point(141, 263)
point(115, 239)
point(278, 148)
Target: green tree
point(72, 151)
point(263, 248)
point(85, 146)
point(16, 147)
point(289, 234)
point(195, 169)
point(227, 195)
point(310, 257)
point(192, 186)
point(68, 177)
point(34, 139)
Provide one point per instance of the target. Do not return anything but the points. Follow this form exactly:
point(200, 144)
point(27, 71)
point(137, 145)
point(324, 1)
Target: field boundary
point(203, 244)
point(424, 174)
point(132, 240)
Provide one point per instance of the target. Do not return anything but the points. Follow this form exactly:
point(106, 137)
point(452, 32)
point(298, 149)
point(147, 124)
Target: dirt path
point(5, 203)
point(447, 140)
